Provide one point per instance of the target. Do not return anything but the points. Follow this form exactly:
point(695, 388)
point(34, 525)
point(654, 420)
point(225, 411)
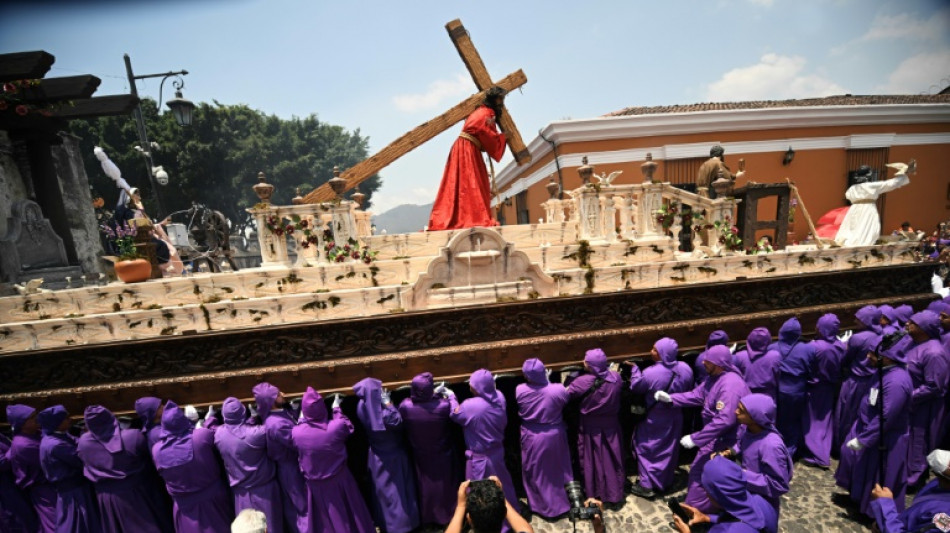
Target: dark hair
point(495, 99)
point(716, 151)
point(485, 505)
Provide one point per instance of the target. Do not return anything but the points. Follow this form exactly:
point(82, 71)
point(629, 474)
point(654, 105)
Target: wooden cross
point(426, 131)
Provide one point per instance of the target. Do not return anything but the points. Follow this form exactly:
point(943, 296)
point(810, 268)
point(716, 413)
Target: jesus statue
point(862, 225)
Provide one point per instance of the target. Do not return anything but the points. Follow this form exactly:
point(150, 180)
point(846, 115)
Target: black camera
point(579, 511)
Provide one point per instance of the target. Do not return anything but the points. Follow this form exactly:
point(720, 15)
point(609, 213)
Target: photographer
point(482, 504)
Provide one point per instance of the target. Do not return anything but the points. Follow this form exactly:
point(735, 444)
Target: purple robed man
point(820, 405)
point(890, 321)
point(115, 460)
point(766, 462)
point(335, 502)
point(737, 509)
point(438, 471)
point(795, 371)
point(76, 507)
point(24, 456)
point(759, 363)
point(599, 444)
point(185, 458)
point(393, 502)
point(716, 338)
point(719, 397)
point(860, 466)
point(483, 418)
point(857, 374)
point(16, 512)
point(929, 368)
point(545, 456)
point(149, 409)
point(251, 473)
point(655, 438)
point(931, 502)
point(278, 422)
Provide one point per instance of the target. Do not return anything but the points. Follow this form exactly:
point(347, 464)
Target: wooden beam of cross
point(428, 130)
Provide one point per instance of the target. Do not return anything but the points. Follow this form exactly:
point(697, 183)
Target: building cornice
point(715, 122)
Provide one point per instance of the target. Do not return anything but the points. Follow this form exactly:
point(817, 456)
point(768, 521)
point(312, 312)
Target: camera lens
point(575, 494)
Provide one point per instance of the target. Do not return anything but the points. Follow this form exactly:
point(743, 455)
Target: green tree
point(215, 162)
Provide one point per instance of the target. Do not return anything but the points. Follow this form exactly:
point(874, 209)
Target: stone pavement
point(807, 508)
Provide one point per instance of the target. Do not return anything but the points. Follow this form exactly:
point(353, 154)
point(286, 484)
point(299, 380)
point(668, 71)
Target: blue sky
point(385, 67)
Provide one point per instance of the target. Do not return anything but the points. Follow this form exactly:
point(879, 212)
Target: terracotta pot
point(133, 271)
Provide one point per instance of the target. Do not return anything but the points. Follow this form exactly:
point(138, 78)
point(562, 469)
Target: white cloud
point(774, 77)
point(384, 200)
point(919, 73)
point(907, 26)
point(439, 91)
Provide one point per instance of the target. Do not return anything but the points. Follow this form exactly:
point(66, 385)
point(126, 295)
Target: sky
point(385, 67)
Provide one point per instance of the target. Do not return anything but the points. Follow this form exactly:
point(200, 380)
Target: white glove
point(191, 413)
point(614, 367)
point(855, 445)
point(252, 408)
point(337, 400)
point(547, 373)
point(687, 442)
point(443, 390)
point(662, 396)
point(732, 349)
point(384, 395)
point(210, 414)
point(845, 336)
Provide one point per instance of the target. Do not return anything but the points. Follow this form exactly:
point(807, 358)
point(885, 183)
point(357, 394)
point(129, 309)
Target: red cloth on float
point(827, 226)
point(464, 198)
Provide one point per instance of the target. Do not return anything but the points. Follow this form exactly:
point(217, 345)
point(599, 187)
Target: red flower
point(9, 88)
point(279, 232)
point(340, 258)
point(346, 247)
point(303, 223)
point(367, 259)
point(355, 255)
point(305, 244)
point(289, 229)
point(22, 110)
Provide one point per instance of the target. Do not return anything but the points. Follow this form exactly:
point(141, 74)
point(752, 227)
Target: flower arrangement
point(11, 97)
point(728, 234)
point(122, 240)
point(762, 246)
point(350, 250)
point(665, 216)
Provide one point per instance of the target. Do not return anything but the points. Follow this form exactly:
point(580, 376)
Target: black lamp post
point(182, 109)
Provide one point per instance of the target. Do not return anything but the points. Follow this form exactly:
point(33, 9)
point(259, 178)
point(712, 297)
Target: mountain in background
point(406, 218)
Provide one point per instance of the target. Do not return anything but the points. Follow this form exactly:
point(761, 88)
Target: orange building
point(815, 142)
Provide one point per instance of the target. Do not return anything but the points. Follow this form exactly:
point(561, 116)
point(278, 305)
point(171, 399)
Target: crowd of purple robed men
point(766, 405)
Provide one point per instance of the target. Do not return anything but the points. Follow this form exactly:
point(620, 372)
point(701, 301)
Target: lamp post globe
point(182, 108)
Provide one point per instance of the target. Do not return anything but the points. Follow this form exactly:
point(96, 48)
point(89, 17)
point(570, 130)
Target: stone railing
point(607, 212)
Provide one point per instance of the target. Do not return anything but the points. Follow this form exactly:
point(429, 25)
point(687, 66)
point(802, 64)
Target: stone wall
point(11, 183)
point(77, 201)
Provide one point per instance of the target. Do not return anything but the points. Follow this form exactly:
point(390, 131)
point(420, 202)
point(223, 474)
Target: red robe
point(464, 199)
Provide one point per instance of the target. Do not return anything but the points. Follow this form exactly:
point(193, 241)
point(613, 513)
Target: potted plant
point(129, 266)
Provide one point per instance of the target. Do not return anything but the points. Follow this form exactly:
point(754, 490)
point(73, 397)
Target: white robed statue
point(862, 223)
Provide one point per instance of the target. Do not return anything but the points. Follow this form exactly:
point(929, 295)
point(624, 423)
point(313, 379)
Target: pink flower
point(9, 88)
point(22, 110)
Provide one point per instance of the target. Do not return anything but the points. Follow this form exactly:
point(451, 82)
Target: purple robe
point(759, 363)
point(335, 503)
point(599, 437)
point(24, 455)
point(394, 502)
point(251, 474)
point(719, 396)
point(115, 461)
point(818, 429)
point(716, 338)
point(766, 462)
point(545, 455)
point(795, 371)
point(858, 471)
point(483, 419)
point(930, 501)
point(858, 375)
point(929, 368)
point(185, 458)
point(279, 423)
point(147, 408)
point(438, 472)
point(655, 439)
point(739, 511)
point(76, 508)
point(16, 513)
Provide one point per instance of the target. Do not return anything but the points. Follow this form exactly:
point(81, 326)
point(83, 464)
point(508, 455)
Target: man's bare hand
point(463, 492)
point(881, 492)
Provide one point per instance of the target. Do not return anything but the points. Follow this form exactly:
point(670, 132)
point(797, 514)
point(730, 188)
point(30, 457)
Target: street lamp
point(182, 109)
